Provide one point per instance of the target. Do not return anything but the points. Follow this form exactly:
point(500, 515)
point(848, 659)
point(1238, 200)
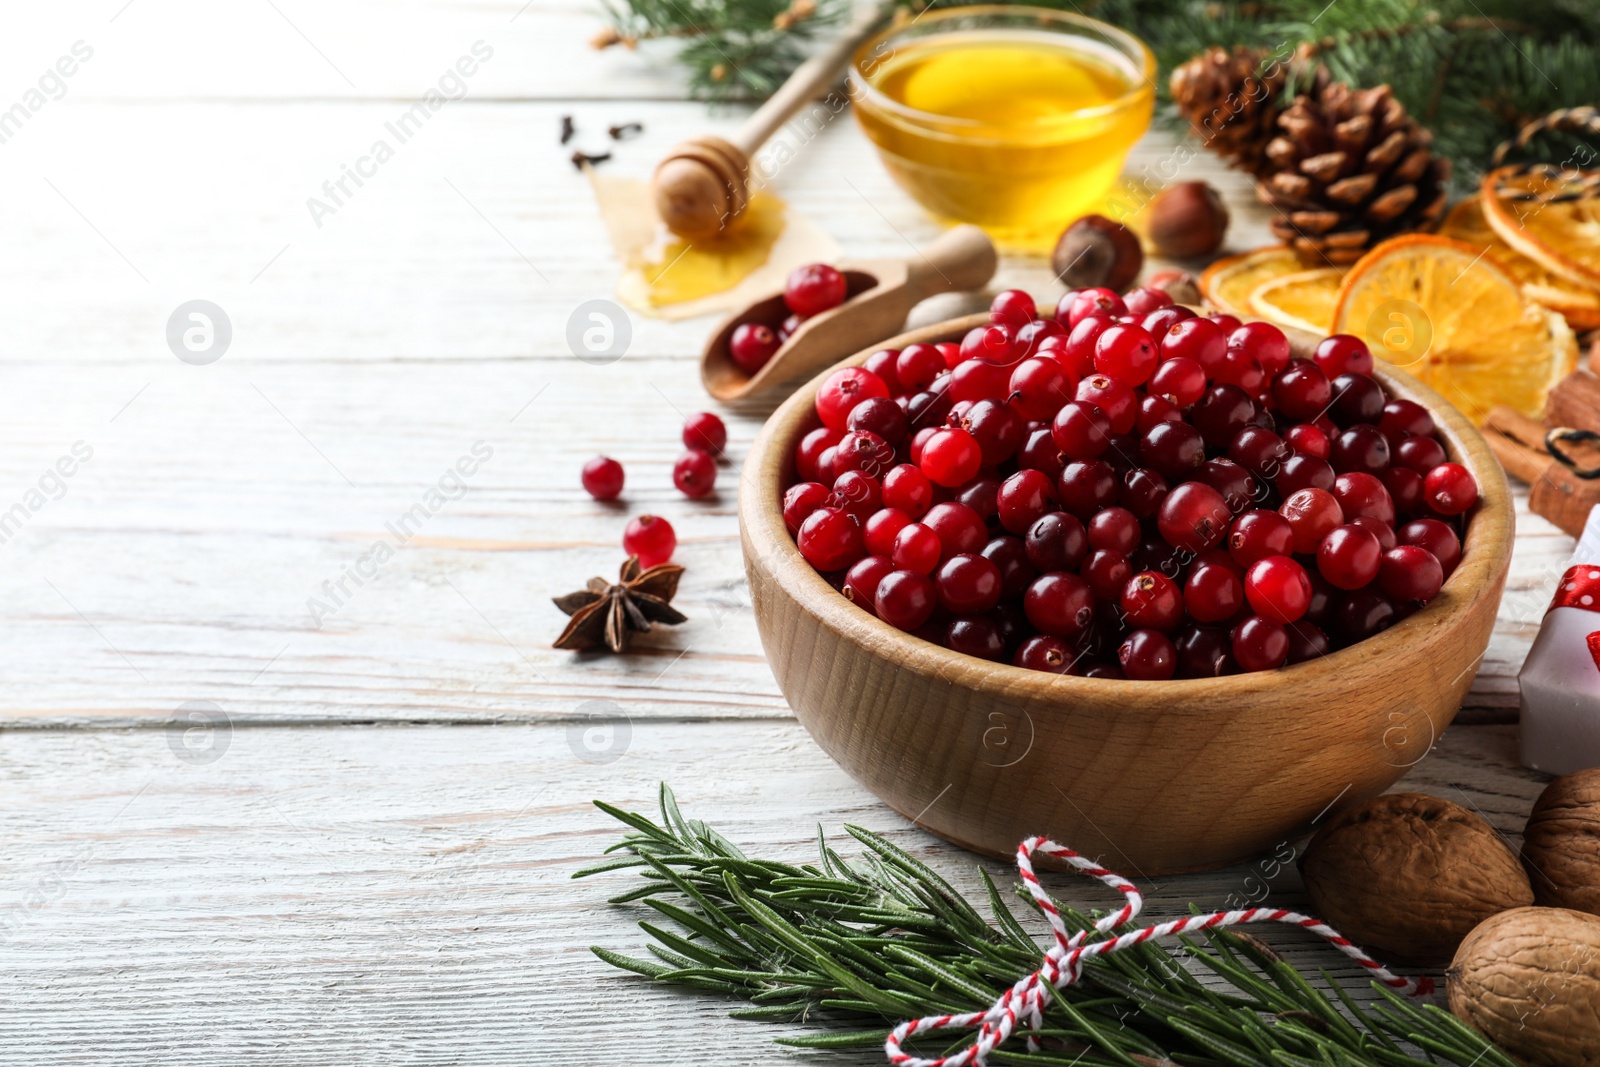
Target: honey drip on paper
point(677, 270)
point(1024, 141)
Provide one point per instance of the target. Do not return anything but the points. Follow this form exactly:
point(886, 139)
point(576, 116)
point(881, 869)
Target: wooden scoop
point(701, 185)
point(881, 293)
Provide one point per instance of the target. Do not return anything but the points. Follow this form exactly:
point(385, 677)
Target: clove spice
point(567, 128)
point(580, 157)
point(625, 131)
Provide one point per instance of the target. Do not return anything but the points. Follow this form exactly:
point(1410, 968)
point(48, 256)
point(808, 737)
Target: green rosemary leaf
point(902, 859)
point(1228, 1051)
point(628, 963)
point(842, 1039)
point(638, 822)
point(949, 976)
point(1002, 914)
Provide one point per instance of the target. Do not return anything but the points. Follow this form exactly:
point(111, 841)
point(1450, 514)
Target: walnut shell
point(1561, 845)
point(1407, 876)
point(1529, 980)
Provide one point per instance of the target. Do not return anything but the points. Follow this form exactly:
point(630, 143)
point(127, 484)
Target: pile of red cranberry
point(810, 290)
point(1127, 490)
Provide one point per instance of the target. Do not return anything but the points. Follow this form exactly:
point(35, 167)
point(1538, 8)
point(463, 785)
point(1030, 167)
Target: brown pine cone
point(1231, 102)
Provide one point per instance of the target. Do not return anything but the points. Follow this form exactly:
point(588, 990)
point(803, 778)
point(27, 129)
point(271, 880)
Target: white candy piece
point(1560, 680)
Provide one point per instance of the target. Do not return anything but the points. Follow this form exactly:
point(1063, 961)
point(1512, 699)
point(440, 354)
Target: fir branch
point(860, 946)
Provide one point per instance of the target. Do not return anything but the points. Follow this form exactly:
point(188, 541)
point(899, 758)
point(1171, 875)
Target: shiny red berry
point(695, 474)
point(1278, 588)
point(800, 500)
point(752, 345)
point(1312, 513)
point(1059, 604)
point(1193, 517)
point(813, 289)
point(1435, 536)
point(830, 539)
point(1151, 599)
point(705, 432)
point(602, 478)
point(1343, 354)
point(651, 538)
point(950, 457)
point(1212, 593)
point(968, 584)
point(905, 599)
point(1126, 353)
point(842, 391)
point(1147, 656)
point(1260, 644)
point(1349, 556)
point(1449, 489)
point(907, 488)
point(1410, 572)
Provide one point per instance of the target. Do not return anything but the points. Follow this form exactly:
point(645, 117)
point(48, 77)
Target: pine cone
point(1229, 104)
point(1348, 169)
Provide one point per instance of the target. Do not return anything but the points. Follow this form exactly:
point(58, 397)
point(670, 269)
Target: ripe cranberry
point(1349, 556)
point(1360, 448)
point(1161, 320)
point(1193, 517)
point(1237, 486)
point(1205, 652)
point(1107, 571)
point(695, 474)
point(1114, 528)
point(1362, 494)
point(1126, 353)
point(1262, 342)
point(1144, 300)
point(1155, 410)
point(1179, 379)
point(1012, 307)
point(1363, 613)
point(1039, 387)
point(1042, 653)
point(1405, 418)
point(1302, 391)
point(1356, 398)
point(1410, 572)
point(905, 599)
point(881, 528)
point(1011, 557)
point(907, 488)
point(983, 496)
point(1112, 396)
point(916, 366)
point(1405, 488)
point(1241, 370)
point(864, 451)
point(975, 635)
point(1098, 303)
point(862, 579)
point(960, 529)
point(752, 345)
point(1278, 588)
point(1343, 354)
point(950, 457)
point(1030, 338)
point(1307, 641)
point(1040, 453)
point(1312, 513)
point(1221, 413)
point(1420, 454)
point(1260, 644)
point(1304, 472)
point(830, 539)
point(813, 289)
point(1142, 492)
point(1174, 449)
point(1381, 530)
point(788, 326)
point(602, 478)
point(1086, 486)
point(1449, 489)
point(842, 391)
point(979, 379)
point(1059, 604)
point(968, 584)
point(1258, 534)
point(1435, 536)
point(800, 500)
point(1200, 340)
point(1212, 593)
point(1081, 430)
point(882, 417)
point(1076, 354)
point(651, 538)
point(1307, 440)
point(997, 428)
point(916, 548)
point(1259, 451)
point(1024, 498)
point(882, 363)
point(1147, 655)
point(1151, 599)
point(1056, 542)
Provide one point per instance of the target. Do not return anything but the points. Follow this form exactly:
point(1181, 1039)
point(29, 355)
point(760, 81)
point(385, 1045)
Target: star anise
point(606, 615)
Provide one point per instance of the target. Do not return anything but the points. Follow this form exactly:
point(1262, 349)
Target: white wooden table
point(365, 859)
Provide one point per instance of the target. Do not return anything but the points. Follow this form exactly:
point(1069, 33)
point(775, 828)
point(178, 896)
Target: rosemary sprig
point(859, 946)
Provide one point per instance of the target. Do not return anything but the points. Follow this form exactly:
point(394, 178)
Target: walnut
point(1561, 845)
point(1407, 876)
point(1529, 980)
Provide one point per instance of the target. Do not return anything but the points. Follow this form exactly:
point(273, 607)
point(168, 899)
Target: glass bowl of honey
point(1016, 119)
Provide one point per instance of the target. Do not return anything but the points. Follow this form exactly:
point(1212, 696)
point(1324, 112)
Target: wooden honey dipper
point(703, 184)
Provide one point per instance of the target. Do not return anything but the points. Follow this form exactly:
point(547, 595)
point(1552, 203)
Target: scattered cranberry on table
point(1124, 489)
point(695, 474)
point(651, 538)
point(705, 432)
point(602, 478)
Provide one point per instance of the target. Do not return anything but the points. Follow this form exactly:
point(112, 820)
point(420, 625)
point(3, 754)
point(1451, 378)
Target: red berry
point(916, 548)
point(968, 584)
point(651, 538)
point(1151, 599)
point(813, 289)
point(1081, 430)
point(1420, 454)
point(1435, 536)
point(1116, 529)
point(882, 363)
point(1343, 354)
point(1024, 498)
point(1205, 652)
point(1349, 556)
point(1213, 593)
point(808, 456)
point(1193, 517)
point(862, 579)
point(1278, 588)
point(1449, 489)
point(1306, 440)
point(997, 428)
point(1175, 449)
point(1107, 571)
point(1302, 391)
point(1039, 387)
point(752, 345)
point(1112, 396)
point(1255, 535)
point(800, 500)
point(1013, 308)
point(881, 417)
point(1200, 340)
point(1361, 494)
point(1179, 379)
point(1263, 343)
point(1260, 644)
point(1381, 530)
point(1360, 448)
point(905, 599)
point(602, 478)
point(960, 528)
point(705, 432)
point(1142, 492)
point(1410, 572)
point(1147, 655)
point(917, 366)
point(1126, 353)
point(1145, 299)
point(1363, 613)
point(1259, 451)
point(842, 391)
point(1405, 489)
point(950, 457)
point(976, 635)
point(1312, 513)
point(1009, 554)
point(1405, 418)
point(881, 529)
point(830, 539)
point(1056, 542)
point(1304, 472)
point(1059, 604)
point(980, 379)
point(1356, 399)
point(695, 474)
point(1041, 653)
point(907, 488)
point(1093, 303)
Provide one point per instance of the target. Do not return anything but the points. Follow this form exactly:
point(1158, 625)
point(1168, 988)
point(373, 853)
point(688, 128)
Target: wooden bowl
point(1149, 777)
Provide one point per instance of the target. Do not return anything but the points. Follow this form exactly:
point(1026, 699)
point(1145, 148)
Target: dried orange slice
point(1304, 300)
point(1550, 215)
point(1228, 283)
point(1453, 316)
point(1579, 303)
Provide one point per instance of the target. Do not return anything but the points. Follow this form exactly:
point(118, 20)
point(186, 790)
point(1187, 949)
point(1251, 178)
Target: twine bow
point(1025, 1001)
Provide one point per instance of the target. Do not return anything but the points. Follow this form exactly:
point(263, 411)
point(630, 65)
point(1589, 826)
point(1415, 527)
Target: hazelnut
point(1187, 220)
point(1182, 286)
point(1094, 251)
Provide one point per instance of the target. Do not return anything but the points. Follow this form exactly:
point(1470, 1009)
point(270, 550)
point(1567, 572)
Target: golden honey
point(677, 270)
point(1015, 119)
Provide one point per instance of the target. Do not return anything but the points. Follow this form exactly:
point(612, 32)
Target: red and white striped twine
point(1025, 1001)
